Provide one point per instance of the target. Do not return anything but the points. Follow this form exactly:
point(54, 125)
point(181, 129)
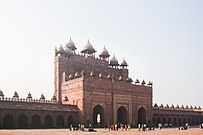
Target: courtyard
point(167, 131)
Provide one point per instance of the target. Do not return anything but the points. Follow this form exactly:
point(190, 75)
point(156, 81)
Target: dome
point(15, 95)
point(1, 93)
point(29, 96)
point(68, 51)
point(88, 49)
point(70, 76)
point(61, 48)
point(161, 106)
point(114, 61)
point(143, 82)
point(124, 63)
point(177, 106)
point(155, 105)
point(104, 53)
point(137, 81)
point(65, 98)
point(167, 106)
point(42, 96)
point(54, 98)
point(71, 45)
point(191, 107)
point(172, 106)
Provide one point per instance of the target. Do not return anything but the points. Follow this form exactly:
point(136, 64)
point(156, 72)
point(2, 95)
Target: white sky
point(162, 41)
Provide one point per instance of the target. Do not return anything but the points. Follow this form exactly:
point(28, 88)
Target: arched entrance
point(8, 121)
point(98, 116)
point(70, 120)
point(122, 115)
point(193, 121)
point(184, 121)
point(174, 122)
point(60, 121)
point(36, 121)
point(179, 122)
point(141, 116)
point(169, 121)
point(22, 121)
point(158, 121)
point(48, 121)
point(164, 121)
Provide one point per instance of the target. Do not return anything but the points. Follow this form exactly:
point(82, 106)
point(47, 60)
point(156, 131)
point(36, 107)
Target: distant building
point(92, 91)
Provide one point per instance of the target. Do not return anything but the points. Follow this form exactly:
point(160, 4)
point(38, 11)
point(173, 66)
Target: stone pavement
point(171, 131)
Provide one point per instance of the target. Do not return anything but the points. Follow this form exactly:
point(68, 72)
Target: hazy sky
point(161, 40)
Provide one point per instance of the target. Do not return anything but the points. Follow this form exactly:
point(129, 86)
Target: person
point(121, 126)
point(139, 127)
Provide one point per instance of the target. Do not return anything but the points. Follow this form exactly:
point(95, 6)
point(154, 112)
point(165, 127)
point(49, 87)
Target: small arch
point(36, 121)
point(158, 121)
point(48, 121)
point(98, 116)
point(141, 116)
point(193, 121)
point(184, 121)
point(164, 121)
point(8, 121)
point(122, 116)
point(169, 121)
point(179, 122)
point(60, 121)
point(174, 122)
point(70, 120)
point(188, 120)
point(22, 121)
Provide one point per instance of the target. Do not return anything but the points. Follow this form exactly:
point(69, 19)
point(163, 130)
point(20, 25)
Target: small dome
point(61, 49)
point(104, 53)
point(15, 95)
point(120, 78)
point(161, 106)
point(42, 97)
point(195, 107)
point(70, 76)
point(109, 76)
point(177, 107)
point(88, 49)
point(29, 96)
point(191, 107)
point(68, 51)
point(71, 45)
point(124, 63)
point(186, 107)
point(155, 105)
point(166, 106)
point(137, 81)
point(53, 98)
point(1, 93)
point(150, 83)
point(172, 106)
point(143, 82)
point(65, 98)
point(182, 107)
point(114, 61)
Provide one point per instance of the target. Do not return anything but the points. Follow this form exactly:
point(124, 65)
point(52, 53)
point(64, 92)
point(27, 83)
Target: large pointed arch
point(142, 116)
point(8, 121)
point(98, 116)
point(48, 121)
point(36, 123)
point(60, 121)
point(22, 121)
point(122, 115)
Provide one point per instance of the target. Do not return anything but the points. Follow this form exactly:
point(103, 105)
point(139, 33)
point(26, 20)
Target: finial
point(88, 41)
point(70, 38)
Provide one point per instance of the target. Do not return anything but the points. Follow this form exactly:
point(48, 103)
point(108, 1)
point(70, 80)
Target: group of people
point(116, 127)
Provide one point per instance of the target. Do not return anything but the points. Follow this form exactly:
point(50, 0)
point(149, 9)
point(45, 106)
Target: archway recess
point(98, 116)
point(141, 116)
point(122, 116)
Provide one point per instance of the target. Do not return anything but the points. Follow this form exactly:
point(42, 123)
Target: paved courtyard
point(172, 131)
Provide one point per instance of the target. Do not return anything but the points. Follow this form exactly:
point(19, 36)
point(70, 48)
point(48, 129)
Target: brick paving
point(172, 131)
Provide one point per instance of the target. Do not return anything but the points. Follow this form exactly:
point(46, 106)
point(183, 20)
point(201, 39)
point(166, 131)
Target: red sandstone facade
point(90, 90)
point(98, 86)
